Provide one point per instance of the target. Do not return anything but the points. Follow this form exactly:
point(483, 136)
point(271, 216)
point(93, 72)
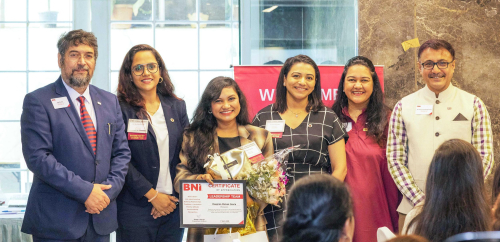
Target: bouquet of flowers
point(267, 178)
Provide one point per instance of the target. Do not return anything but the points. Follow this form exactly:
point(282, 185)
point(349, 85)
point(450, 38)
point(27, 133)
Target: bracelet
point(153, 198)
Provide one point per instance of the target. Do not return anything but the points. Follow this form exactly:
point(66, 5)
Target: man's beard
point(79, 81)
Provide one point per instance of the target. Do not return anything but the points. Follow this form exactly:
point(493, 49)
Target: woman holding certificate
point(220, 123)
point(298, 117)
point(155, 118)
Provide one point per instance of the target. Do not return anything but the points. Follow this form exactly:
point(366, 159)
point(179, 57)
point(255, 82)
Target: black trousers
point(136, 223)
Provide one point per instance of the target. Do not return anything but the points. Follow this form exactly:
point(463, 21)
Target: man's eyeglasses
point(429, 65)
point(138, 70)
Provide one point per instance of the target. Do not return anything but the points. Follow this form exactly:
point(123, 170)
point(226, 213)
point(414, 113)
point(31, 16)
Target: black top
point(316, 132)
point(229, 143)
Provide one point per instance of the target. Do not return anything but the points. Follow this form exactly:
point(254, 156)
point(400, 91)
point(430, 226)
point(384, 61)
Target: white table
point(10, 228)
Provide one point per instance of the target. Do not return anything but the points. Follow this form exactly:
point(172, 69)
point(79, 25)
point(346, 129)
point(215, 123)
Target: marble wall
point(471, 26)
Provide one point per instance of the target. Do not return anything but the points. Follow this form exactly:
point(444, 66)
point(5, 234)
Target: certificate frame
point(183, 222)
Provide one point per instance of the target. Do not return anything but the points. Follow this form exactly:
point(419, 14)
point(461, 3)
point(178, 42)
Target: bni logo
point(192, 187)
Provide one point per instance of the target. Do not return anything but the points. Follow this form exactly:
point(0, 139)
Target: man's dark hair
point(437, 44)
point(75, 38)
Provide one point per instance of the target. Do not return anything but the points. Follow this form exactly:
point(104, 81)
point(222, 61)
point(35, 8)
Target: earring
point(161, 80)
point(210, 112)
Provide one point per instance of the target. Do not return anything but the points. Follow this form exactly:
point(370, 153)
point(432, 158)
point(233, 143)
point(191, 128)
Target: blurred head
point(496, 199)
point(77, 56)
point(408, 238)
point(299, 79)
point(495, 212)
point(496, 183)
point(143, 72)
point(359, 85)
point(455, 200)
point(436, 60)
point(319, 208)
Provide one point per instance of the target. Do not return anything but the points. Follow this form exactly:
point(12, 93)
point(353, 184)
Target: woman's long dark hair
point(496, 199)
point(127, 91)
point(317, 209)
point(377, 112)
point(496, 184)
point(203, 124)
point(455, 197)
point(315, 103)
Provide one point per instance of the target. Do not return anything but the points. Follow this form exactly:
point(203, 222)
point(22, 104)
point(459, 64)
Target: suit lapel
point(244, 134)
point(73, 115)
point(99, 117)
point(167, 112)
point(151, 130)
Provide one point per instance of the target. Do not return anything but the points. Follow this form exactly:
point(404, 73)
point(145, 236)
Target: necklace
point(296, 114)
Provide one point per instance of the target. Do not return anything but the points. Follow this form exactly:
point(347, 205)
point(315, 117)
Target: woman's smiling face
point(358, 85)
point(300, 81)
point(227, 107)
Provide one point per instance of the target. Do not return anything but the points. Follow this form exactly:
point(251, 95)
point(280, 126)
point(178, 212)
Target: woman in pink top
point(360, 107)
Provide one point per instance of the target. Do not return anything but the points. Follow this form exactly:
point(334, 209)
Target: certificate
point(221, 205)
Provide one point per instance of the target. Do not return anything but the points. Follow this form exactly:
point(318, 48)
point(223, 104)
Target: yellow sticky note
point(410, 44)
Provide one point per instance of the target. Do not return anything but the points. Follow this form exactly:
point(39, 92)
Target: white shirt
point(384, 234)
point(73, 95)
point(159, 125)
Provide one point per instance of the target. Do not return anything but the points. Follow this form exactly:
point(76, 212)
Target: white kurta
point(427, 132)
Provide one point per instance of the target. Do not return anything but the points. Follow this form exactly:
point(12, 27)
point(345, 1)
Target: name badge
point(60, 102)
point(253, 152)
point(347, 126)
point(276, 127)
point(424, 109)
point(137, 129)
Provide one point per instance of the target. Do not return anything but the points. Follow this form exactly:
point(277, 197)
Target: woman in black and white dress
point(308, 123)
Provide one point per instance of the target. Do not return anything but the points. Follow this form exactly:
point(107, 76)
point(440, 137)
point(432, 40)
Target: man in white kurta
point(423, 120)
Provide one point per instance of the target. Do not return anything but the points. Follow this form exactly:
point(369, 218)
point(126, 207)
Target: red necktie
point(87, 123)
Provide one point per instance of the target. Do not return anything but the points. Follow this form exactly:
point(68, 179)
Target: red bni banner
point(258, 83)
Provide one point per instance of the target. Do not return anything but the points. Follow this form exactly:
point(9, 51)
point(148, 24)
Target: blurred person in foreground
point(319, 209)
point(455, 199)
